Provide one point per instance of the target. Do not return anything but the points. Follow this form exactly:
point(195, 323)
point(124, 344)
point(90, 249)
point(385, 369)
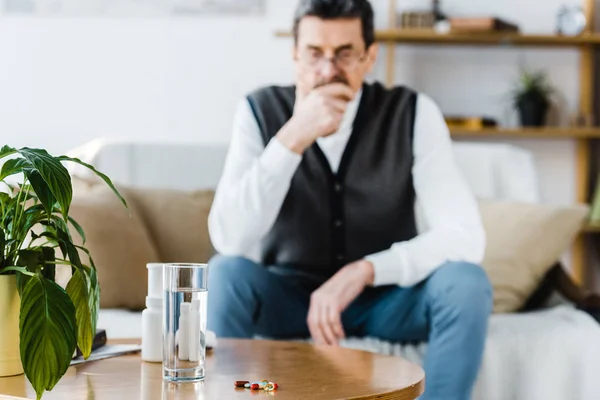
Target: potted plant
point(531, 97)
point(42, 322)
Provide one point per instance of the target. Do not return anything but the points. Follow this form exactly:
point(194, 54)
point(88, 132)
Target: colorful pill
point(241, 383)
point(269, 387)
point(247, 385)
point(255, 386)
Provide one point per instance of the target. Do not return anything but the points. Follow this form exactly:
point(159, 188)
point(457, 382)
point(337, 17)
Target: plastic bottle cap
point(155, 280)
point(155, 303)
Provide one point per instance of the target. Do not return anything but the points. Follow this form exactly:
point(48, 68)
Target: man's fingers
point(339, 105)
point(313, 327)
point(327, 328)
point(335, 321)
point(338, 90)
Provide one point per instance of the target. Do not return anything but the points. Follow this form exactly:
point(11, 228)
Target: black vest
point(329, 220)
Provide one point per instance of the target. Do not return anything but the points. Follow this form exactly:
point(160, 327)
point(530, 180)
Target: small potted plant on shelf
point(42, 323)
point(531, 97)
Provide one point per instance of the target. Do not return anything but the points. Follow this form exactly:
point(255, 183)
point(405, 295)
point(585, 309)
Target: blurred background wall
point(67, 80)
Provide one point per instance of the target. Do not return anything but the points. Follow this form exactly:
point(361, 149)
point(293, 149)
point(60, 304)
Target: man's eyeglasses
point(346, 59)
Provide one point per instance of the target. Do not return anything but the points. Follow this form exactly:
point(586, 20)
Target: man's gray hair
point(338, 9)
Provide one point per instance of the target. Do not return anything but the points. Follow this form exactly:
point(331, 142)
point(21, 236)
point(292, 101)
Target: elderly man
point(314, 218)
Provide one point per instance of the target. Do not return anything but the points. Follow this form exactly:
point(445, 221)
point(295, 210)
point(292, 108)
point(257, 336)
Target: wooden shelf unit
point(585, 43)
point(425, 36)
point(527, 133)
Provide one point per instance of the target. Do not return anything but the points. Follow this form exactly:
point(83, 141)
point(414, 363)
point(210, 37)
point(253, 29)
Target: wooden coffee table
point(303, 371)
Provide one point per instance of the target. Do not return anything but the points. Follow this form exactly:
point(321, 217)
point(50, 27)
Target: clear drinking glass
point(184, 328)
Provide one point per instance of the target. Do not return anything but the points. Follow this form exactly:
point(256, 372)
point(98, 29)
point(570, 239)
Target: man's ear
point(372, 52)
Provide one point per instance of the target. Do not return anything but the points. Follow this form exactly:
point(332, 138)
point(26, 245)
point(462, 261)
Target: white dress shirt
point(256, 180)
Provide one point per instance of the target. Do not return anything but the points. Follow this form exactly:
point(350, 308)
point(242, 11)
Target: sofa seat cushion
point(118, 243)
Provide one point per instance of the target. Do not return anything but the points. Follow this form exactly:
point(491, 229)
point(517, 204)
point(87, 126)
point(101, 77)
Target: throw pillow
point(523, 242)
point(118, 243)
point(177, 223)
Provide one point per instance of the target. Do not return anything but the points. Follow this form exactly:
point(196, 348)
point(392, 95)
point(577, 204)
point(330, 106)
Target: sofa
point(548, 353)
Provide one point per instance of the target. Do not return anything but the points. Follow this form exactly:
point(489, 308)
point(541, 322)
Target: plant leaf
point(41, 189)
point(94, 295)
point(22, 270)
point(105, 178)
point(48, 333)
point(12, 167)
point(62, 238)
point(54, 174)
point(2, 247)
point(49, 271)
point(94, 287)
point(6, 151)
point(22, 281)
point(77, 289)
point(78, 228)
point(32, 216)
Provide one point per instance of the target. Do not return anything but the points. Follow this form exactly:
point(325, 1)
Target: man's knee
point(228, 273)
point(461, 286)
point(230, 267)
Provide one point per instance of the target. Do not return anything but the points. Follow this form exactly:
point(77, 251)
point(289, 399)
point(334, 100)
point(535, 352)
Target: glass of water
point(184, 328)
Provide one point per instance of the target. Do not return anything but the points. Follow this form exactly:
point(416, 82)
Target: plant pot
point(532, 112)
point(10, 358)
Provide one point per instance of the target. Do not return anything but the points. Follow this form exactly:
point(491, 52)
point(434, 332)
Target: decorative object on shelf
point(437, 11)
point(481, 24)
point(47, 323)
point(570, 21)
point(434, 19)
point(417, 20)
point(531, 97)
point(470, 123)
point(581, 120)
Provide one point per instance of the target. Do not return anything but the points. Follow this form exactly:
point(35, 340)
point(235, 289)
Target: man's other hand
point(316, 115)
point(329, 301)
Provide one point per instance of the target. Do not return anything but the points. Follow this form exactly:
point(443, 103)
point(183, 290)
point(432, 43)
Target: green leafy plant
point(35, 237)
point(532, 86)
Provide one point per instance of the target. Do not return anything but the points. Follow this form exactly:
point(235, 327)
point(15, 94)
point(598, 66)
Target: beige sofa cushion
point(177, 223)
point(118, 243)
point(523, 242)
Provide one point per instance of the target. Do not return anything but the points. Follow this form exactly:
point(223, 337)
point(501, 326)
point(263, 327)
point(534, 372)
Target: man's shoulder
point(395, 89)
point(272, 91)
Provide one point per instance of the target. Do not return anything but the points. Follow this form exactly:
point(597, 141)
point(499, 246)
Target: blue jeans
point(449, 310)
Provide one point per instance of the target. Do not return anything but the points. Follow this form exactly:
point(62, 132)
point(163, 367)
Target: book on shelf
point(469, 123)
point(481, 25)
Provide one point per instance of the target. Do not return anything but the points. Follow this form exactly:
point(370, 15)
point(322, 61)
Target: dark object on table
point(481, 24)
point(99, 341)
